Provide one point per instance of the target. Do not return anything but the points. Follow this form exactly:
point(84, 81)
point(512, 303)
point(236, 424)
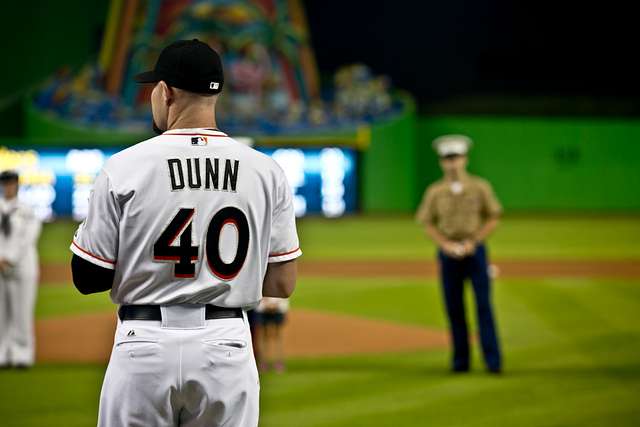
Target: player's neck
point(193, 119)
point(456, 175)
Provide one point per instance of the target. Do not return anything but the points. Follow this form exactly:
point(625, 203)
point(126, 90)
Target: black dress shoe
point(460, 370)
point(495, 371)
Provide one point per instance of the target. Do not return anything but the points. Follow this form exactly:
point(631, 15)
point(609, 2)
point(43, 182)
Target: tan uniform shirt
point(458, 214)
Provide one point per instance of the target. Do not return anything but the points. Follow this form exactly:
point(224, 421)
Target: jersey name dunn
point(207, 173)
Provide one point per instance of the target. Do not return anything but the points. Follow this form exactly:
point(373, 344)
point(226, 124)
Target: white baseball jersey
point(189, 217)
point(18, 284)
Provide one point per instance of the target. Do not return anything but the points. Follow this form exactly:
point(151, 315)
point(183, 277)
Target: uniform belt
point(152, 312)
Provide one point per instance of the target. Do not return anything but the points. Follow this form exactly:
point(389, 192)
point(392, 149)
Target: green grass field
point(572, 346)
point(519, 237)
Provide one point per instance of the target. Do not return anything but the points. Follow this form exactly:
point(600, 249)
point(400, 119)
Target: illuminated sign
point(57, 182)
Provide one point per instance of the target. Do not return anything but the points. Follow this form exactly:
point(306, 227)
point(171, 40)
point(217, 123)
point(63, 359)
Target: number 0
point(216, 264)
point(185, 255)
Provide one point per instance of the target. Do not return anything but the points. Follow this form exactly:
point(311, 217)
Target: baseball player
point(271, 315)
point(19, 232)
point(187, 230)
point(459, 212)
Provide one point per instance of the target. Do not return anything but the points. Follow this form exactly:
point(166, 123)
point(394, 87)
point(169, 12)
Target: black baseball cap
point(187, 64)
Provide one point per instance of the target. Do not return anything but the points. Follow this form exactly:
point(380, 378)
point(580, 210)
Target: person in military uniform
point(459, 212)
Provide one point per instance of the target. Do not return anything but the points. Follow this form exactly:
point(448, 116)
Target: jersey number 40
point(185, 254)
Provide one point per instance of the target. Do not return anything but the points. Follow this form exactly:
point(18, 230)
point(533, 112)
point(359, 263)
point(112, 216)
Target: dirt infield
point(89, 337)
point(56, 273)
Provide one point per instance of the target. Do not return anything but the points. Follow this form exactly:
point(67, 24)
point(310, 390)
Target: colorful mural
point(272, 82)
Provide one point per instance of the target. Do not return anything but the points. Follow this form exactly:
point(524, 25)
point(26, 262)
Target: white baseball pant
point(183, 371)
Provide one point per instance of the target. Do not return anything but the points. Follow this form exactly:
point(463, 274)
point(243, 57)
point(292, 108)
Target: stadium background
point(561, 149)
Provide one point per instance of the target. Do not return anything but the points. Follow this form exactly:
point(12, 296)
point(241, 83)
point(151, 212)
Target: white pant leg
point(141, 380)
point(220, 378)
point(23, 298)
point(181, 377)
point(5, 311)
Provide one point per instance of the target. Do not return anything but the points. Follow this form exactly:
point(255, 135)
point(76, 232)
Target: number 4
point(185, 255)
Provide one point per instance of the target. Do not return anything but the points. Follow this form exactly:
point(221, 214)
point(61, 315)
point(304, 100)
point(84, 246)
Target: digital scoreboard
point(57, 182)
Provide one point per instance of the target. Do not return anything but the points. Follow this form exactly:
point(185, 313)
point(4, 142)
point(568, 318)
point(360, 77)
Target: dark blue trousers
point(453, 273)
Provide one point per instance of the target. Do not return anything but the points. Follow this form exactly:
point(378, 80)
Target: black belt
point(152, 312)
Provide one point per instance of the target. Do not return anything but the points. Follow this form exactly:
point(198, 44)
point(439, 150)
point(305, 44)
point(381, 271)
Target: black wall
point(444, 49)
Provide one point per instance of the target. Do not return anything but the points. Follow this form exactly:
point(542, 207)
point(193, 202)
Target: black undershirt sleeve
point(89, 278)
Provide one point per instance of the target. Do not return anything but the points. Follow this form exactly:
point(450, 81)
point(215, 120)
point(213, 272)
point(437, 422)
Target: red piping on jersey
point(195, 134)
point(173, 257)
point(285, 253)
point(92, 255)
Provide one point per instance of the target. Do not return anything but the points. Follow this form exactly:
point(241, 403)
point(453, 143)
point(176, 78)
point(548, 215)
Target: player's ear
point(167, 92)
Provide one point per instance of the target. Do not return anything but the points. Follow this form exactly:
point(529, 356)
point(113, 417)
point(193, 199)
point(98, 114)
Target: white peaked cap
point(448, 145)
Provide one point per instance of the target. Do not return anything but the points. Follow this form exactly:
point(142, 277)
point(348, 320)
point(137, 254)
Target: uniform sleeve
point(426, 213)
point(283, 243)
point(96, 239)
point(491, 206)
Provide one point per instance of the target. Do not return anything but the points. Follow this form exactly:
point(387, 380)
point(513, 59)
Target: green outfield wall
point(544, 163)
point(388, 166)
point(548, 164)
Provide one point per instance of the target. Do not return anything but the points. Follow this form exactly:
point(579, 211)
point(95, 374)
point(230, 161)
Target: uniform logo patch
point(131, 333)
point(199, 140)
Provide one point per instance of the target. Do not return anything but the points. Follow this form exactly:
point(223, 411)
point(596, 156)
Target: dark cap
point(187, 64)
point(8, 176)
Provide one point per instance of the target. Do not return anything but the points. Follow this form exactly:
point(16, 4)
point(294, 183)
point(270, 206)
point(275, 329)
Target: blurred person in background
point(19, 232)
point(270, 317)
point(254, 327)
point(459, 212)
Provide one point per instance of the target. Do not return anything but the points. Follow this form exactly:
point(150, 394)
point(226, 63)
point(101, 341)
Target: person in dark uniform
point(459, 212)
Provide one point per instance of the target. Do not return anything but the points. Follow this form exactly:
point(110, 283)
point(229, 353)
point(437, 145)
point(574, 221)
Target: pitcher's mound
point(89, 337)
point(314, 333)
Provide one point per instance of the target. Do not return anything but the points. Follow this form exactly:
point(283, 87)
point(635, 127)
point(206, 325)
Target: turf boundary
point(628, 269)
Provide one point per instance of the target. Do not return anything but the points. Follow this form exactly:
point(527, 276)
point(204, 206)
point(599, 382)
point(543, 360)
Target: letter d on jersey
point(177, 183)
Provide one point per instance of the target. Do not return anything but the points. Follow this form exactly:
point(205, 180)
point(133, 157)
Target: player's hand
point(469, 247)
point(453, 249)
point(4, 265)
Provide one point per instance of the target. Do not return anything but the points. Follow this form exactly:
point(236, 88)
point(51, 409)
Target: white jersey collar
point(195, 132)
